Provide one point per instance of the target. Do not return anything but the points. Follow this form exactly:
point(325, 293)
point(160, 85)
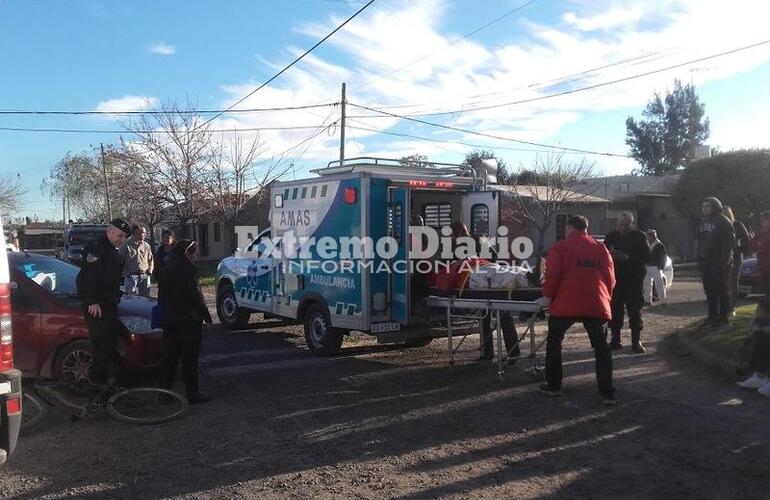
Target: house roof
point(620, 187)
point(541, 192)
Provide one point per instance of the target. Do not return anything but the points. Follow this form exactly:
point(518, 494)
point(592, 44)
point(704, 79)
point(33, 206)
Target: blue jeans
point(137, 284)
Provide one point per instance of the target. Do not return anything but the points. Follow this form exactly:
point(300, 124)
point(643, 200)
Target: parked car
point(51, 338)
point(750, 282)
point(75, 239)
point(10, 377)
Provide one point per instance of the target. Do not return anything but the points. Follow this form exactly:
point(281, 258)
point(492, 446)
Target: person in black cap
point(98, 284)
point(716, 241)
point(183, 312)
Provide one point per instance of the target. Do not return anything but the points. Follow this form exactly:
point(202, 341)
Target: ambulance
point(367, 204)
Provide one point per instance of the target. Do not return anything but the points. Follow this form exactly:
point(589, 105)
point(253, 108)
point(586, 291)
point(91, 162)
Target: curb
point(727, 366)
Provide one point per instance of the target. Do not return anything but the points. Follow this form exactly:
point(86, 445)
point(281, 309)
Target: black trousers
point(717, 288)
point(510, 336)
point(181, 340)
point(630, 297)
point(597, 333)
point(735, 276)
point(104, 337)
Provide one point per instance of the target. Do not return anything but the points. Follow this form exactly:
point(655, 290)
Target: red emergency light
point(445, 185)
point(418, 183)
point(350, 195)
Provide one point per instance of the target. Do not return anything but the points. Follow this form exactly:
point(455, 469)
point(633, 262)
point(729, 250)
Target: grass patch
point(724, 341)
point(207, 272)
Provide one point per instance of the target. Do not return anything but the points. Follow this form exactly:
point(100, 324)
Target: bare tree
point(173, 151)
point(233, 163)
point(11, 193)
point(537, 205)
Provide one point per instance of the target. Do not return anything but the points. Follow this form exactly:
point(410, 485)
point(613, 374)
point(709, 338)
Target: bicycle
point(138, 405)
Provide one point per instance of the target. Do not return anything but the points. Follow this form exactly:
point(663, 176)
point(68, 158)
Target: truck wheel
point(321, 338)
point(73, 363)
point(230, 315)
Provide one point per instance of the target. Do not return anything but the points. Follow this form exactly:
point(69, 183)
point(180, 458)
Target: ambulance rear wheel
point(230, 315)
point(321, 338)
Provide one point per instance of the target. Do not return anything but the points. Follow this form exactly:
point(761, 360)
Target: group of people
point(596, 284)
point(113, 260)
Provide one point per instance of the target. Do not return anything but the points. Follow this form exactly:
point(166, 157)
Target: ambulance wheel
point(321, 338)
point(230, 315)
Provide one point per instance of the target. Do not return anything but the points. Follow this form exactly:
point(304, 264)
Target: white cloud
point(162, 49)
point(533, 64)
point(126, 103)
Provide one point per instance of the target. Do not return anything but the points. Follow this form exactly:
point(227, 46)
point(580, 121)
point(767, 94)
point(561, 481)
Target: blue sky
point(85, 55)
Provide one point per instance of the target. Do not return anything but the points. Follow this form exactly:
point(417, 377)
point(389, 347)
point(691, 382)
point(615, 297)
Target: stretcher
point(479, 304)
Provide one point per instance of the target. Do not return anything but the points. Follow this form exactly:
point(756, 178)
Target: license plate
point(388, 326)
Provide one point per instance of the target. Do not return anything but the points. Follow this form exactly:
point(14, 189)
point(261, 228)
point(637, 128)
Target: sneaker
point(610, 401)
point(638, 348)
point(765, 390)
point(547, 389)
point(756, 381)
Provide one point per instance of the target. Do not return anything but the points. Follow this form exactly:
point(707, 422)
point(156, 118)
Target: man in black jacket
point(183, 311)
point(630, 252)
point(716, 241)
point(98, 284)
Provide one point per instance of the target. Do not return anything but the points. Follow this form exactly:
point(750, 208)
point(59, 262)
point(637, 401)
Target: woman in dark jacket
point(183, 312)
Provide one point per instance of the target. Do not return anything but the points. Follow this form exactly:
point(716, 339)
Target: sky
point(404, 57)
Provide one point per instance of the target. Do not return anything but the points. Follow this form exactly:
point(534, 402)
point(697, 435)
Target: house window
point(437, 215)
point(304, 192)
point(561, 226)
point(217, 232)
point(480, 220)
point(313, 191)
point(323, 191)
point(286, 194)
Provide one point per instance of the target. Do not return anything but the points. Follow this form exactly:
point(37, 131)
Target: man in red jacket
point(578, 287)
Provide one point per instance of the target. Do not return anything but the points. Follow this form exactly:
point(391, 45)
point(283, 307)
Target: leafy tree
point(503, 174)
point(415, 160)
point(740, 179)
point(665, 139)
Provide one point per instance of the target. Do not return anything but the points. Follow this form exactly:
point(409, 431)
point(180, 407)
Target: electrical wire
point(491, 136)
point(149, 112)
point(155, 131)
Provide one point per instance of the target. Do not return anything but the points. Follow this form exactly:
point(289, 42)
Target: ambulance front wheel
point(230, 315)
point(321, 338)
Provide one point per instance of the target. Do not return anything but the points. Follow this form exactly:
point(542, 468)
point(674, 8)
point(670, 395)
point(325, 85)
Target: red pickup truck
point(10, 378)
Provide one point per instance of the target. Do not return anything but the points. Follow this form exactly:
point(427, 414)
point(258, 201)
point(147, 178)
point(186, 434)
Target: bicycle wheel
point(32, 411)
point(146, 405)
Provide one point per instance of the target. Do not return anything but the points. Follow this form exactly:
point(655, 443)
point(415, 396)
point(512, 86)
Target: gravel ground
point(385, 422)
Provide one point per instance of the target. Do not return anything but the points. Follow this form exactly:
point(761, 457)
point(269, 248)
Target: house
point(574, 203)
point(649, 199)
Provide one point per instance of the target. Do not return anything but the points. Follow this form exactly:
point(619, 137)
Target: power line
point(155, 131)
point(452, 43)
point(591, 87)
point(149, 112)
point(295, 61)
point(468, 144)
point(491, 136)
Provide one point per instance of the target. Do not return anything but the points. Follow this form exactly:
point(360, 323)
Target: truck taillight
point(6, 337)
point(13, 406)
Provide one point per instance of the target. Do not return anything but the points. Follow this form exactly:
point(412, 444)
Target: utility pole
point(106, 185)
point(64, 210)
point(342, 126)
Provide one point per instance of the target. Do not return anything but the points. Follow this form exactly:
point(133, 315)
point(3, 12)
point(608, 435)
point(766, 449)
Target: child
point(759, 351)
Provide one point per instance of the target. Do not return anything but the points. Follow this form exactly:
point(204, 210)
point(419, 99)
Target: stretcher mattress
point(520, 294)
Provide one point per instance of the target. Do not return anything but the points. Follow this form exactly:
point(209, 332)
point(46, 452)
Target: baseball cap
point(122, 225)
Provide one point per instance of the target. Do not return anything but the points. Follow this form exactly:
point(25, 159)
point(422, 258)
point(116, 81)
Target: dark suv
point(76, 238)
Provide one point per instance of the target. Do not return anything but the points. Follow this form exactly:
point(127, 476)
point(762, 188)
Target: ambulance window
point(323, 190)
point(437, 215)
point(294, 193)
point(304, 192)
point(286, 194)
point(480, 220)
point(313, 191)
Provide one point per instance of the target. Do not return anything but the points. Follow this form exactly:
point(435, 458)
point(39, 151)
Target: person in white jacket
point(655, 266)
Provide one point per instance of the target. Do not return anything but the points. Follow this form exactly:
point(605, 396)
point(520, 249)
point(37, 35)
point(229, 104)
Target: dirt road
point(381, 422)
